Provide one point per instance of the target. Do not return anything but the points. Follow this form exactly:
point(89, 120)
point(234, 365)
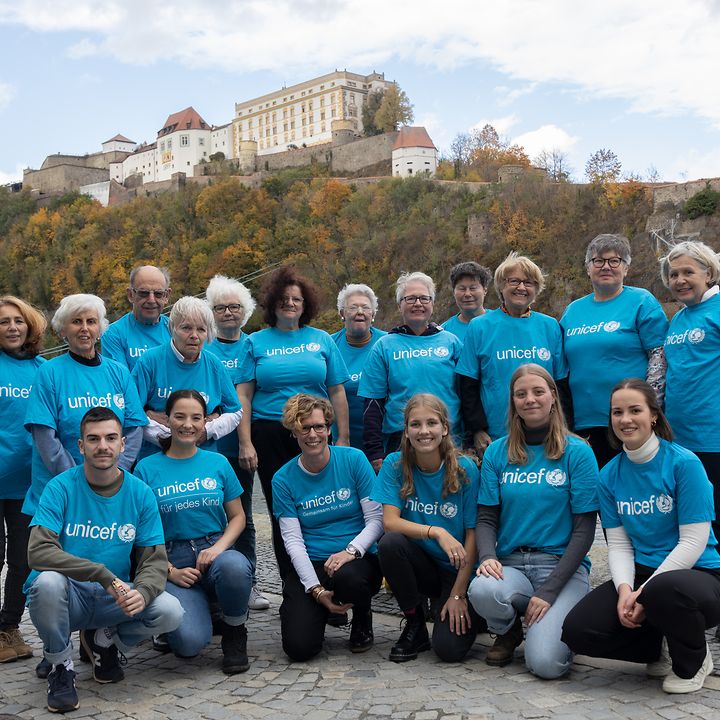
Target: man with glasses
point(144, 327)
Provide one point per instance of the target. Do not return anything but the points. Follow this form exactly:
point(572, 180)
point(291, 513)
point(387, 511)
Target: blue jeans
point(500, 601)
point(59, 605)
point(227, 581)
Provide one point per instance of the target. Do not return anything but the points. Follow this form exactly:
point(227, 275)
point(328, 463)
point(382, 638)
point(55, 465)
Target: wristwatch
point(353, 551)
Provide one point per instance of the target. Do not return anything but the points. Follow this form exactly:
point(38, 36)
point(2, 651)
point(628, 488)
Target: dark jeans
point(413, 575)
point(679, 604)
point(600, 444)
point(274, 446)
point(245, 544)
point(302, 620)
point(711, 463)
point(14, 534)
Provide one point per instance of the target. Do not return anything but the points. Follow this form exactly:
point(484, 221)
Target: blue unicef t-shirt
point(457, 327)
point(496, 344)
point(456, 512)
point(605, 342)
point(97, 528)
point(126, 339)
point(402, 365)
point(64, 391)
point(538, 499)
point(355, 359)
point(230, 353)
point(190, 493)
point(283, 364)
point(16, 381)
point(692, 351)
point(326, 504)
point(651, 500)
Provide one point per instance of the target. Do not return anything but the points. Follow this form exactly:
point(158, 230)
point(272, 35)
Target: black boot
point(361, 631)
point(414, 638)
point(234, 647)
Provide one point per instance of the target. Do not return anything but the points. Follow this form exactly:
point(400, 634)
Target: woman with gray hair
point(181, 364)
point(616, 332)
point(415, 357)
point(691, 270)
point(357, 305)
point(69, 385)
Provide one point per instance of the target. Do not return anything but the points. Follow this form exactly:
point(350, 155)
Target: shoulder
point(546, 320)
point(680, 455)
point(338, 336)
point(120, 325)
point(114, 367)
point(468, 465)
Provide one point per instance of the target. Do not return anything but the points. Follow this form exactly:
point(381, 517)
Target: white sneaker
point(674, 684)
point(661, 667)
point(257, 601)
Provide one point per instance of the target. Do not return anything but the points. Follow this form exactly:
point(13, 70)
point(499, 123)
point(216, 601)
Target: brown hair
point(661, 428)
point(35, 321)
point(300, 406)
point(166, 441)
point(454, 475)
point(274, 288)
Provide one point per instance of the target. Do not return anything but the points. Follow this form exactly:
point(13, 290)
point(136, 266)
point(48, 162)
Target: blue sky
point(639, 78)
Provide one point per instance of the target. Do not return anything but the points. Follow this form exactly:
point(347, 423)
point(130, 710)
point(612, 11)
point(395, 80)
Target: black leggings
point(679, 604)
point(14, 535)
point(413, 575)
point(711, 463)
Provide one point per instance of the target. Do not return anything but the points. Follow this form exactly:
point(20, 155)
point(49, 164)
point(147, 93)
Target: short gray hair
point(72, 305)
point(701, 253)
point(223, 288)
point(608, 241)
point(357, 289)
point(163, 271)
point(192, 308)
point(408, 277)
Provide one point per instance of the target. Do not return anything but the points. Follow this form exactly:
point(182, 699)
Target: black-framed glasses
point(319, 429)
point(232, 307)
point(145, 294)
point(517, 282)
point(613, 262)
point(412, 299)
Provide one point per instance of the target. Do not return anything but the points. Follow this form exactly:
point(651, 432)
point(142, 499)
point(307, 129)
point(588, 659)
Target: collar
point(90, 362)
point(710, 292)
point(431, 329)
point(526, 314)
point(646, 452)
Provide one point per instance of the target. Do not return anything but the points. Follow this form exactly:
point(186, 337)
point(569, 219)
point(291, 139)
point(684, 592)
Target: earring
point(654, 423)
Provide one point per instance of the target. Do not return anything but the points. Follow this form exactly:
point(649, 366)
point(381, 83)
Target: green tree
point(395, 110)
point(704, 202)
point(370, 107)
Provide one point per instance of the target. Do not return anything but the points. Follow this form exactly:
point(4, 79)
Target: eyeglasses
point(412, 299)
point(319, 429)
point(613, 262)
point(358, 308)
point(145, 294)
point(232, 307)
point(291, 301)
point(517, 282)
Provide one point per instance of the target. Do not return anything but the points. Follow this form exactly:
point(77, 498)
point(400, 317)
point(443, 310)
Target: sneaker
point(43, 668)
point(361, 631)
point(234, 647)
point(160, 644)
point(413, 640)
point(257, 601)
point(105, 660)
point(18, 643)
point(677, 685)
point(661, 667)
point(61, 695)
point(502, 651)
point(7, 651)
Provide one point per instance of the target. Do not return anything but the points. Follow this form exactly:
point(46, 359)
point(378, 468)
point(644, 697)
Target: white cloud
point(501, 124)
point(507, 96)
point(655, 54)
point(693, 165)
point(84, 48)
point(547, 137)
point(7, 93)
point(12, 176)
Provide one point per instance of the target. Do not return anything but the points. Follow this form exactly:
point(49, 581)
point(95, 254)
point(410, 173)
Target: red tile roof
point(187, 119)
point(119, 138)
point(413, 137)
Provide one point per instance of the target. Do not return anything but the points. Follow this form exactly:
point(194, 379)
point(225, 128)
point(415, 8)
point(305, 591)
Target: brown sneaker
point(503, 649)
point(22, 649)
point(7, 651)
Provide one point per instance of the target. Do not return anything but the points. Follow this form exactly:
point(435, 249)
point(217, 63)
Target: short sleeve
point(386, 486)
point(560, 367)
point(283, 505)
point(50, 511)
point(470, 492)
point(374, 380)
point(492, 467)
point(230, 401)
point(363, 473)
point(134, 411)
point(232, 489)
point(608, 507)
point(111, 346)
point(337, 372)
point(142, 377)
point(694, 492)
point(584, 478)
point(468, 364)
point(42, 407)
point(246, 362)
point(149, 530)
point(652, 323)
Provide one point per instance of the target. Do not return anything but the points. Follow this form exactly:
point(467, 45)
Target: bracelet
point(317, 591)
point(430, 527)
point(319, 595)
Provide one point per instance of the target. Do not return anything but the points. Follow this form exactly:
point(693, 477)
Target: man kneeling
point(88, 521)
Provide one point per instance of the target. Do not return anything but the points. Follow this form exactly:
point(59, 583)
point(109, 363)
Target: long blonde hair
point(556, 440)
point(454, 475)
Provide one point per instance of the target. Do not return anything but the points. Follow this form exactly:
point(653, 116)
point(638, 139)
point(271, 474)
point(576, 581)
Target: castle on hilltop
point(316, 121)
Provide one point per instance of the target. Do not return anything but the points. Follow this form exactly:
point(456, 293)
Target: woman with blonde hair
point(429, 494)
point(536, 522)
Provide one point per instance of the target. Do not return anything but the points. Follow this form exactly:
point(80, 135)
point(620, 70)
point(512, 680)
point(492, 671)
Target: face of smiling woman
point(82, 332)
point(688, 280)
point(518, 292)
point(632, 420)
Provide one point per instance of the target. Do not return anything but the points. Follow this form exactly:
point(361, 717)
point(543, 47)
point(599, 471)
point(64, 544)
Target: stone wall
point(63, 178)
point(94, 160)
point(362, 153)
point(681, 192)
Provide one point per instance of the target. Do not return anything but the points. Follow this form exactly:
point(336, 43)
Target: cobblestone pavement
point(348, 687)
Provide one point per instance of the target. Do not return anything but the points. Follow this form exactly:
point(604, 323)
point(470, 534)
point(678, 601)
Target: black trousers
point(600, 444)
point(246, 542)
point(679, 605)
point(302, 620)
point(14, 535)
point(274, 446)
point(413, 575)
point(711, 463)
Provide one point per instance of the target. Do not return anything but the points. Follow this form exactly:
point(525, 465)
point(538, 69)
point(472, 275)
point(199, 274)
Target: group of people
point(465, 463)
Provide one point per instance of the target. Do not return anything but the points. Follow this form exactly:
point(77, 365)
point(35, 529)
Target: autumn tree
point(395, 110)
point(555, 163)
point(603, 167)
point(478, 155)
point(369, 110)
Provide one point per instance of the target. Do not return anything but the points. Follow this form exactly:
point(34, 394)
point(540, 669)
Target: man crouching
point(88, 520)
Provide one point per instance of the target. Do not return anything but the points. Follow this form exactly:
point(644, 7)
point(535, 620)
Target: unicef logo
point(543, 354)
point(612, 326)
point(555, 477)
point(343, 493)
point(126, 533)
point(209, 483)
point(442, 352)
point(696, 335)
point(119, 401)
point(664, 503)
point(313, 347)
point(448, 510)
point(205, 397)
